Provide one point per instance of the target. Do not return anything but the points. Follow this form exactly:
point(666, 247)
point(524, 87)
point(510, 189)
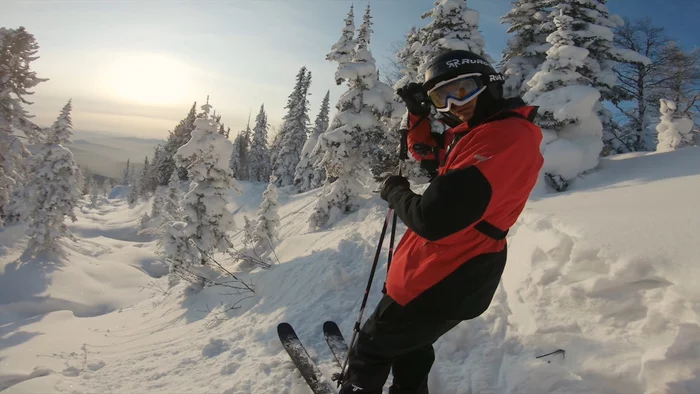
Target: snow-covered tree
point(239, 155)
point(18, 49)
point(572, 130)
point(52, 188)
point(675, 130)
point(126, 175)
point(177, 138)
point(171, 201)
point(106, 187)
point(308, 174)
point(350, 145)
point(248, 230)
point(146, 184)
point(343, 50)
point(530, 25)
point(259, 158)
point(593, 17)
point(407, 60)
point(293, 133)
point(206, 158)
point(267, 223)
point(235, 161)
point(453, 26)
point(133, 195)
point(94, 195)
point(643, 85)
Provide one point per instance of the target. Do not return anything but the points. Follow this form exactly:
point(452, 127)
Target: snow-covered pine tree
point(94, 195)
point(593, 17)
point(235, 163)
point(171, 201)
point(52, 187)
point(126, 175)
point(248, 230)
point(385, 105)
point(530, 25)
point(146, 183)
point(572, 130)
point(259, 156)
point(453, 26)
point(293, 133)
point(349, 146)
point(133, 195)
point(267, 223)
point(89, 184)
point(343, 50)
point(308, 174)
point(107, 187)
point(177, 138)
point(408, 61)
point(18, 50)
point(674, 129)
point(239, 155)
point(206, 156)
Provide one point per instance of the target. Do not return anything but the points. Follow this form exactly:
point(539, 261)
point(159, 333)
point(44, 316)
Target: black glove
point(417, 101)
point(390, 183)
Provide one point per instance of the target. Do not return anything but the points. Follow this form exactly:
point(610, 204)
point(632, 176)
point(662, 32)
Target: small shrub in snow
point(263, 236)
point(674, 130)
point(53, 187)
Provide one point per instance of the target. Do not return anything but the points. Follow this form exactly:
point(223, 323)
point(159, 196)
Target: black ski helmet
point(454, 63)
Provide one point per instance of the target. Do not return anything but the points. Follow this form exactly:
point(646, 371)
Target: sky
point(135, 67)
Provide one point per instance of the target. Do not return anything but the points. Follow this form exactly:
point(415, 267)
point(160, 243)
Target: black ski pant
point(397, 339)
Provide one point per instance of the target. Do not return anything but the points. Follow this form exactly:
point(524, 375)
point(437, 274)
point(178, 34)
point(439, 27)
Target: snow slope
point(604, 271)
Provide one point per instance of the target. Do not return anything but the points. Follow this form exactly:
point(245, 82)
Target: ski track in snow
point(618, 299)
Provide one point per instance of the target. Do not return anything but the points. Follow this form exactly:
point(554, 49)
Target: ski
point(301, 359)
point(336, 342)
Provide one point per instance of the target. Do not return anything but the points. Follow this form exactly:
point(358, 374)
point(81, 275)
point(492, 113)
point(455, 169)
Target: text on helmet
point(458, 62)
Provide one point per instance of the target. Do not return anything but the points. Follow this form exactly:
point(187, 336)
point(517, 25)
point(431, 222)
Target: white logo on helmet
point(496, 77)
point(458, 62)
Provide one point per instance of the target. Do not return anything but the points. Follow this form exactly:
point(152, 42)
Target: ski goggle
point(456, 91)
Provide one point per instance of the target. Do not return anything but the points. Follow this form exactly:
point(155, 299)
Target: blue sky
point(135, 67)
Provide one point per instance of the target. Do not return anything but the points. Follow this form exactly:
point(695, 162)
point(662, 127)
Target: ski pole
point(403, 155)
point(356, 329)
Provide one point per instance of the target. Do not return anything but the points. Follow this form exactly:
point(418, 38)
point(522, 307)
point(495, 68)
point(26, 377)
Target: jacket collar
point(516, 105)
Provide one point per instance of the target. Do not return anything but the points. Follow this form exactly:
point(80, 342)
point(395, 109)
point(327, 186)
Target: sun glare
point(149, 79)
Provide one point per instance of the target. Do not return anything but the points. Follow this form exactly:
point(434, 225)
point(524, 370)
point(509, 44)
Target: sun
point(149, 79)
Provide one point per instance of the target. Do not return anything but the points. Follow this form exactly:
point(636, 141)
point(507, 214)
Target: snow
point(674, 130)
point(604, 271)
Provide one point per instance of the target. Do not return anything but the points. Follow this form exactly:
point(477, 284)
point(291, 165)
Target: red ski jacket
point(451, 258)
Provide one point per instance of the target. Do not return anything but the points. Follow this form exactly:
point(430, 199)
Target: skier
point(448, 264)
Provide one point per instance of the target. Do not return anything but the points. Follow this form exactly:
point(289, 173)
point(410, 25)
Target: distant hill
point(106, 154)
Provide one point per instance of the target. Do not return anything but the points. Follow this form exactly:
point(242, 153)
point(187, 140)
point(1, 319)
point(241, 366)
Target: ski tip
point(330, 323)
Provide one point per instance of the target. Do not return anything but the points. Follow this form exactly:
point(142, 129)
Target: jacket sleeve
point(459, 198)
point(420, 140)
